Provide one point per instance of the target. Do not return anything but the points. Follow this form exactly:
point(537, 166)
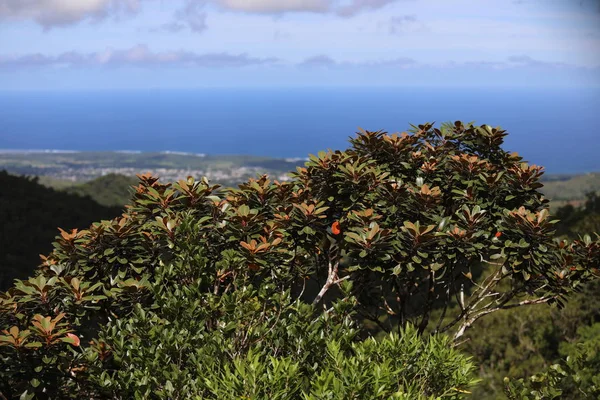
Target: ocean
point(556, 128)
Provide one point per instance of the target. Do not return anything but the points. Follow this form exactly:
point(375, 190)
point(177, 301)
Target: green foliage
point(531, 338)
point(574, 378)
point(583, 219)
point(273, 289)
point(112, 190)
point(258, 343)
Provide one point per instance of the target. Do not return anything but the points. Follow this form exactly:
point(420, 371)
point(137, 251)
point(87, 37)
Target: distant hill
point(29, 217)
point(110, 190)
point(561, 189)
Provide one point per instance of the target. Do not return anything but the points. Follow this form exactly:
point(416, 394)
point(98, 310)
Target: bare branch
point(332, 279)
point(468, 322)
point(428, 302)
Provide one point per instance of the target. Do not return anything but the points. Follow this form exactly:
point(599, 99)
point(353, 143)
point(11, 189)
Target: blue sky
point(122, 44)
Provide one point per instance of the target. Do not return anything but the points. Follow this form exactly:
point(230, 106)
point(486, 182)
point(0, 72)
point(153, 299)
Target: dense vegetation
point(340, 284)
point(111, 190)
point(30, 214)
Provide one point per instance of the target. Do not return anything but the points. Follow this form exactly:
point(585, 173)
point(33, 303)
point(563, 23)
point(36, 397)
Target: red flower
point(498, 234)
point(335, 228)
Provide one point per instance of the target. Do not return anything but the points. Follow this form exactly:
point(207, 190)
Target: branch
point(400, 298)
point(332, 279)
point(468, 322)
point(428, 302)
point(478, 295)
point(443, 314)
point(541, 300)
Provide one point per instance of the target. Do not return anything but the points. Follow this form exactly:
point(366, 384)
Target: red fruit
point(335, 228)
point(498, 234)
point(253, 267)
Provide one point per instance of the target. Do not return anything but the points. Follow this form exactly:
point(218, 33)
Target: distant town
point(79, 166)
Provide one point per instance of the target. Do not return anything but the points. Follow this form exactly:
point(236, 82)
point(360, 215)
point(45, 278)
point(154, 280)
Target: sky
point(133, 44)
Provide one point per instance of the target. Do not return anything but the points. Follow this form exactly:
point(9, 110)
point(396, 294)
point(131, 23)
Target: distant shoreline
point(549, 175)
point(166, 152)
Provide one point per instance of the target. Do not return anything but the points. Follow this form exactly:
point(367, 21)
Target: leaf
point(71, 339)
point(354, 236)
point(443, 223)
point(75, 283)
point(171, 224)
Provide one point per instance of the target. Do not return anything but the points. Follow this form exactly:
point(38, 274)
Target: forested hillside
point(31, 214)
point(112, 190)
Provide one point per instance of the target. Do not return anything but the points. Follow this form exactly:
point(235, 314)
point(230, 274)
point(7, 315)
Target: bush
point(277, 289)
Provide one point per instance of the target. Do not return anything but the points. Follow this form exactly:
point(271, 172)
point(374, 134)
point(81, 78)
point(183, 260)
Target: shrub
point(277, 289)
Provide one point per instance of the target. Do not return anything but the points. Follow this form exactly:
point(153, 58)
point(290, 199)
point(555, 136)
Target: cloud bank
point(512, 62)
point(139, 55)
point(142, 56)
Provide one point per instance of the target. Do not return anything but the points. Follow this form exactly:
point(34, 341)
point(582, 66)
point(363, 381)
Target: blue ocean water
point(557, 128)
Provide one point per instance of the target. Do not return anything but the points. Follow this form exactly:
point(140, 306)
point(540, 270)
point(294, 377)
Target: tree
point(285, 283)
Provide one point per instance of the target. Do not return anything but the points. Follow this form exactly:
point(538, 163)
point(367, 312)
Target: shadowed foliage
point(30, 214)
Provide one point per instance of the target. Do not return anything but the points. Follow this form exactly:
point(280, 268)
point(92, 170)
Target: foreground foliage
point(278, 289)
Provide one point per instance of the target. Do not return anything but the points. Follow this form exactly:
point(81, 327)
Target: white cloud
point(50, 13)
point(274, 6)
point(344, 8)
